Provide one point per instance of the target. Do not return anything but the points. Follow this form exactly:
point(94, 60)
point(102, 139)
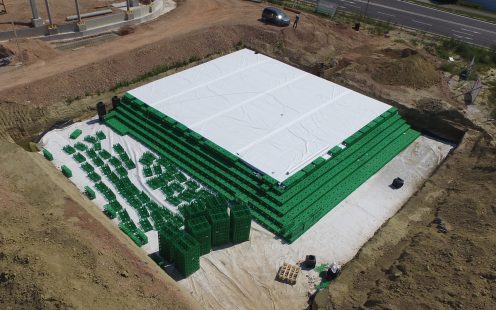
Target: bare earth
point(58, 251)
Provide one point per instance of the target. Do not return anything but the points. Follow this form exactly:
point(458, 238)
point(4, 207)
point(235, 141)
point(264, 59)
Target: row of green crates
point(287, 209)
point(102, 158)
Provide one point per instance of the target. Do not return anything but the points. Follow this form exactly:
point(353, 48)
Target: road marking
point(467, 34)
point(462, 37)
point(349, 2)
point(442, 11)
point(419, 22)
point(470, 30)
point(379, 12)
point(355, 6)
point(432, 17)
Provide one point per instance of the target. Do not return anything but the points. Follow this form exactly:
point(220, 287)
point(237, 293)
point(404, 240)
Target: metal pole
point(367, 8)
point(48, 13)
point(34, 9)
point(77, 11)
point(17, 43)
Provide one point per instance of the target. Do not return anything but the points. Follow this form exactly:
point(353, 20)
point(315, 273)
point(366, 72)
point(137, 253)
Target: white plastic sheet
point(243, 276)
point(275, 117)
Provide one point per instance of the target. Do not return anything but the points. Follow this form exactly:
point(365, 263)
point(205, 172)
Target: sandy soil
point(391, 268)
point(58, 251)
point(20, 11)
point(412, 264)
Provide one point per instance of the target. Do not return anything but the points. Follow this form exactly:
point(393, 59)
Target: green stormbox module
point(288, 152)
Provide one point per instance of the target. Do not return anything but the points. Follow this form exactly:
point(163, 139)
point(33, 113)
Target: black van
point(275, 16)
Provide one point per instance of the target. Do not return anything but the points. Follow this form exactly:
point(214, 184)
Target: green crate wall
point(287, 209)
point(166, 239)
point(201, 230)
point(240, 223)
point(220, 223)
point(186, 254)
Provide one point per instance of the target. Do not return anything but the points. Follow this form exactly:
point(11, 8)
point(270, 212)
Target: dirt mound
point(399, 53)
point(411, 71)
point(5, 52)
point(447, 257)
point(58, 252)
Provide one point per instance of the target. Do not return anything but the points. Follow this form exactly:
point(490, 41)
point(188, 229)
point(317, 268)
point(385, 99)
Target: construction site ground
point(58, 251)
point(20, 13)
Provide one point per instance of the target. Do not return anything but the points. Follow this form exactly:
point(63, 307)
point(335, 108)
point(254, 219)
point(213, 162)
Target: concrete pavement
point(426, 19)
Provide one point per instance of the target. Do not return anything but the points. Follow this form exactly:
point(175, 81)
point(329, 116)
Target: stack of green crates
point(219, 220)
point(240, 223)
point(166, 239)
point(201, 230)
point(186, 254)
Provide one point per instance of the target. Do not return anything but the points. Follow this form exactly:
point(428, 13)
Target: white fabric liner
point(242, 276)
point(55, 140)
point(275, 117)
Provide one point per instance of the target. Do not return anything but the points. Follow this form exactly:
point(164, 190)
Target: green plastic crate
point(186, 254)
point(47, 155)
point(89, 193)
point(240, 223)
point(100, 135)
point(166, 239)
point(66, 171)
point(75, 134)
point(220, 223)
point(200, 229)
point(79, 157)
point(69, 149)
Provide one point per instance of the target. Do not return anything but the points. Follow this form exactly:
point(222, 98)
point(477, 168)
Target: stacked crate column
point(240, 223)
point(186, 254)
point(201, 230)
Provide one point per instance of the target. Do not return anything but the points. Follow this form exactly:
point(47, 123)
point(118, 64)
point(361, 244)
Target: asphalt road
point(426, 19)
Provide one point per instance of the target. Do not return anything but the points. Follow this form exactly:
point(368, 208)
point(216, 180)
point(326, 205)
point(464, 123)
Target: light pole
point(36, 20)
point(50, 21)
point(80, 25)
point(77, 11)
point(367, 8)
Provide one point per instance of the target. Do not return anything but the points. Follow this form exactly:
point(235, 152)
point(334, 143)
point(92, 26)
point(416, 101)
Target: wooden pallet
point(288, 273)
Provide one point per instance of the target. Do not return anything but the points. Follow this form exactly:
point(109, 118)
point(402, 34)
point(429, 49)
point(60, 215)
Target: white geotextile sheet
point(55, 140)
point(275, 117)
point(243, 276)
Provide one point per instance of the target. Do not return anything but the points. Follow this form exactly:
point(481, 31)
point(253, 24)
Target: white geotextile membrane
point(243, 276)
point(275, 117)
point(55, 140)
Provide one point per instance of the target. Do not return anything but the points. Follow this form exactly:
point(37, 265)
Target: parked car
point(275, 16)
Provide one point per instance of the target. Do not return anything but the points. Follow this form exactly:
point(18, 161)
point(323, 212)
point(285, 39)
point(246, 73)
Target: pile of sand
point(411, 71)
point(5, 52)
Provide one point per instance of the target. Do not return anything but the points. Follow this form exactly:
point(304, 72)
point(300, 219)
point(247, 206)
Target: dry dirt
point(58, 251)
point(408, 260)
point(412, 264)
